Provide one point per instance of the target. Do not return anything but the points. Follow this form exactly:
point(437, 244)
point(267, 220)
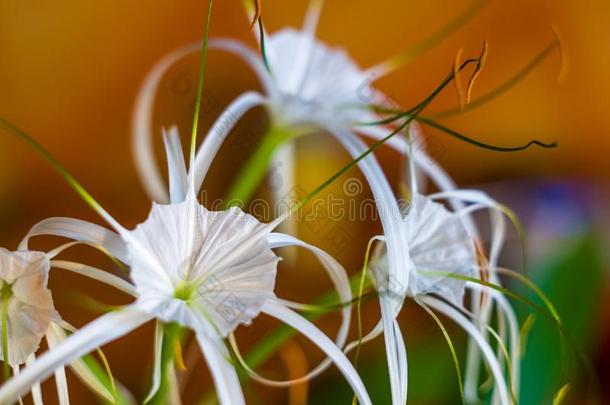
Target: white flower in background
point(437, 242)
point(27, 302)
point(442, 254)
point(208, 271)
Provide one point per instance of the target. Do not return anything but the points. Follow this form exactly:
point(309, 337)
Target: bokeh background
point(69, 73)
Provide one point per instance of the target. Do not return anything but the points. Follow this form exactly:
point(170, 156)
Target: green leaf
point(573, 281)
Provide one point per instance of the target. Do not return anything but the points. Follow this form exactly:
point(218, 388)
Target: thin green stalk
point(72, 182)
point(6, 295)
point(202, 69)
point(359, 305)
point(359, 308)
point(173, 331)
point(456, 361)
point(255, 169)
point(104, 376)
point(436, 38)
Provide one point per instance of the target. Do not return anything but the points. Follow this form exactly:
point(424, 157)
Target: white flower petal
point(482, 312)
point(96, 274)
point(438, 241)
point(303, 60)
point(142, 129)
point(315, 83)
point(97, 333)
point(223, 372)
point(82, 231)
point(219, 132)
point(35, 389)
point(157, 369)
point(339, 278)
point(515, 333)
point(80, 368)
point(284, 160)
point(400, 265)
point(178, 178)
point(248, 55)
point(394, 283)
point(395, 355)
point(60, 373)
point(309, 330)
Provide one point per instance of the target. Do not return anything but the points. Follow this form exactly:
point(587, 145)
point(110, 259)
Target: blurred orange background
point(70, 70)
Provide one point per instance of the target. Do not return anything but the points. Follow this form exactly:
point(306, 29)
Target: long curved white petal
point(96, 235)
point(340, 280)
point(79, 367)
point(514, 331)
point(248, 55)
point(389, 214)
point(396, 356)
point(96, 274)
point(156, 381)
point(35, 388)
point(482, 343)
point(97, 333)
point(223, 372)
point(142, 119)
point(176, 166)
point(285, 160)
point(483, 313)
point(219, 131)
point(398, 261)
point(79, 230)
point(60, 373)
point(302, 63)
point(309, 330)
point(16, 371)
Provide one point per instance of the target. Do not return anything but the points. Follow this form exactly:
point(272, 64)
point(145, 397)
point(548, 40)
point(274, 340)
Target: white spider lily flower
point(27, 302)
point(208, 271)
point(437, 242)
point(439, 245)
point(31, 316)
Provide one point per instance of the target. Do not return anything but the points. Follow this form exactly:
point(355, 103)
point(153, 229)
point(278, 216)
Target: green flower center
point(185, 291)
point(6, 291)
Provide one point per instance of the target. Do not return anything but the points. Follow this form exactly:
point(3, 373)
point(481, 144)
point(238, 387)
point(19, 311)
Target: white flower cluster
point(212, 271)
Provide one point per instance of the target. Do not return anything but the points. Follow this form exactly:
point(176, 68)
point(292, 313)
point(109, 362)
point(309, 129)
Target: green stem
point(6, 295)
point(255, 169)
point(172, 333)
